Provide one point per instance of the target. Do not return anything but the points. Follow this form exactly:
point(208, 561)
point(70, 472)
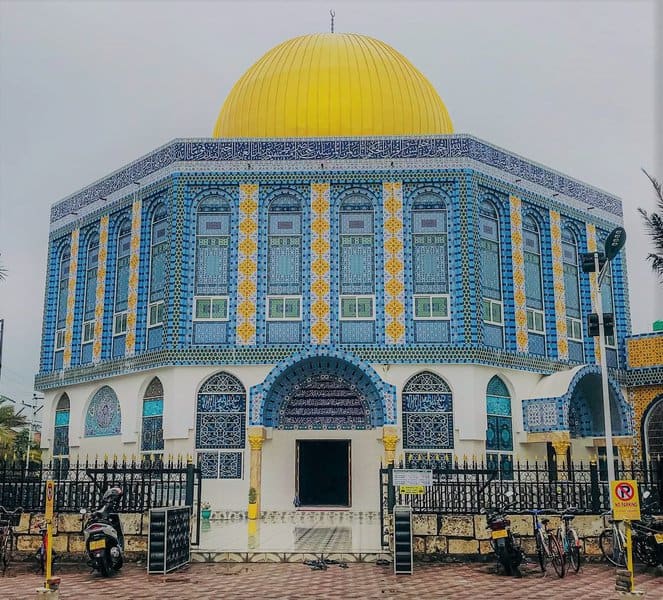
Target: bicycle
point(568, 539)
point(613, 542)
point(7, 535)
point(548, 550)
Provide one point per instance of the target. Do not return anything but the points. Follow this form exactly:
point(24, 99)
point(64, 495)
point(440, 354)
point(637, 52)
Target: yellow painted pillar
point(389, 440)
point(561, 446)
point(625, 449)
point(256, 438)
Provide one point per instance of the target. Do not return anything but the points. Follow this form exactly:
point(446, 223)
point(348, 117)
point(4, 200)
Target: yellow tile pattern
point(640, 399)
point(320, 264)
point(645, 352)
point(134, 262)
point(71, 298)
point(558, 285)
point(518, 258)
point(247, 264)
point(591, 247)
point(394, 268)
point(101, 289)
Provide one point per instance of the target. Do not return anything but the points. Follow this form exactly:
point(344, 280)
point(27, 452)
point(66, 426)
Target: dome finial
point(332, 14)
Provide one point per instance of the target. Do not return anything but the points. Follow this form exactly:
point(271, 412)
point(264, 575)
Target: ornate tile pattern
point(592, 247)
point(558, 285)
point(449, 147)
point(71, 298)
point(394, 267)
point(100, 293)
point(103, 416)
point(518, 260)
point(320, 264)
point(645, 351)
point(134, 263)
point(247, 265)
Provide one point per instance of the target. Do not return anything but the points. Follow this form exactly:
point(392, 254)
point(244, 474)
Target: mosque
point(333, 281)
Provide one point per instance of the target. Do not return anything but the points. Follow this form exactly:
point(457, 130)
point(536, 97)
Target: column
point(625, 449)
point(389, 440)
point(561, 446)
point(256, 437)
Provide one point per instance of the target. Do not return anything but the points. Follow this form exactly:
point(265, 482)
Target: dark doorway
point(323, 472)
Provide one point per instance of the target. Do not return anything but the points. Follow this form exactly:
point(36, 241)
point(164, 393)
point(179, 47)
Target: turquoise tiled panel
point(357, 332)
point(152, 407)
point(498, 405)
point(493, 335)
point(103, 416)
point(432, 331)
point(86, 354)
point(537, 344)
point(154, 338)
point(284, 332)
point(210, 333)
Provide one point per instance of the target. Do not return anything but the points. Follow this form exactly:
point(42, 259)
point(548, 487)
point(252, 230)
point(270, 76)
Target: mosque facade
point(333, 281)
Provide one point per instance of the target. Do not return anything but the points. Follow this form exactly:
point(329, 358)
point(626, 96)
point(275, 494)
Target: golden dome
point(332, 84)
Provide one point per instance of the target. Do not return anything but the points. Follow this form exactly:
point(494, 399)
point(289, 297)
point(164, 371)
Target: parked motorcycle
point(104, 540)
point(648, 534)
point(505, 545)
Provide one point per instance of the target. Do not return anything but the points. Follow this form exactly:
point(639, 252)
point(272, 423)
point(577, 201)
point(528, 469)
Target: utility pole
point(34, 410)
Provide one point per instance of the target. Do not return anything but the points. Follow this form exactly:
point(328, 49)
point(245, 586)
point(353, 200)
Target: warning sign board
point(625, 500)
point(50, 497)
point(413, 477)
point(412, 489)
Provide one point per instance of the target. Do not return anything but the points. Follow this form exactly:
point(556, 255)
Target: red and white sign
point(625, 501)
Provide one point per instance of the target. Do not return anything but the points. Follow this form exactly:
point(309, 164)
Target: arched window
point(103, 416)
point(61, 315)
point(158, 271)
point(654, 430)
point(491, 275)
point(284, 271)
point(357, 270)
point(212, 269)
point(572, 295)
point(221, 427)
point(90, 298)
point(430, 268)
point(428, 423)
point(121, 303)
point(152, 430)
point(536, 326)
point(61, 437)
point(499, 431)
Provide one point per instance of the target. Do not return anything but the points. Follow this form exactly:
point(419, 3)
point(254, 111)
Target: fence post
point(188, 497)
point(391, 493)
point(594, 487)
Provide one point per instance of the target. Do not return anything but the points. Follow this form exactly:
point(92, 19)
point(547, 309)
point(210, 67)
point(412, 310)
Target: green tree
point(21, 443)
point(3, 272)
point(9, 422)
point(654, 224)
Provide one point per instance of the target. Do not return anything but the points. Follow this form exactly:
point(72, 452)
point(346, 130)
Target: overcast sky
point(86, 87)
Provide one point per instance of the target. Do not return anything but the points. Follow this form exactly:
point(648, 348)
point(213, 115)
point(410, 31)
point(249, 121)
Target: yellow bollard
point(629, 554)
point(48, 517)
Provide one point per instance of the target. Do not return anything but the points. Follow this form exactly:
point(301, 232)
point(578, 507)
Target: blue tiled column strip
point(71, 299)
point(50, 307)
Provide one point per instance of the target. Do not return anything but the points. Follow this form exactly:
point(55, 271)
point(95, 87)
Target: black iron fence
point(469, 487)
point(146, 483)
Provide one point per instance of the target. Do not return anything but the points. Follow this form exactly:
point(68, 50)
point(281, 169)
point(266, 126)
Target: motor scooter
point(104, 539)
point(507, 549)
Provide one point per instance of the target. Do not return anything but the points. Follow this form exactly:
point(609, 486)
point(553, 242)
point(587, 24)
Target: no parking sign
point(625, 500)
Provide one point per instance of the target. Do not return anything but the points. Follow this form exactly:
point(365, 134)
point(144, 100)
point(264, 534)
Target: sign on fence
point(419, 490)
point(625, 500)
point(418, 477)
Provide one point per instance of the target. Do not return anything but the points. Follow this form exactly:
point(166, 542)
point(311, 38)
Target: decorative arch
point(428, 423)
point(652, 429)
point(61, 427)
point(103, 416)
point(221, 426)
point(499, 430)
point(151, 439)
point(582, 406)
point(351, 394)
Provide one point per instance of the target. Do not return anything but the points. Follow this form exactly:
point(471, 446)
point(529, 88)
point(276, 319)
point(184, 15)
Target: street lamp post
point(598, 263)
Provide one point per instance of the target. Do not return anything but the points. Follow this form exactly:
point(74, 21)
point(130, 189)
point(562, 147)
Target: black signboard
point(615, 242)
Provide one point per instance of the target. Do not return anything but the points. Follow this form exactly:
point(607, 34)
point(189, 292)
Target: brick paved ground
point(297, 581)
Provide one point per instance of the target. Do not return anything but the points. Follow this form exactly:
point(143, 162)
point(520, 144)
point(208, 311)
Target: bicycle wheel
point(573, 550)
point(612, 550)
point(540, 552)
point(555, 555)
point(644, 549)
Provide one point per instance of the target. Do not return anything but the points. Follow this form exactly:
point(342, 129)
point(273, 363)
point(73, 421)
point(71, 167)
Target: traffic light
point(593, 324)
point(608, 324)
point(588, 265)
